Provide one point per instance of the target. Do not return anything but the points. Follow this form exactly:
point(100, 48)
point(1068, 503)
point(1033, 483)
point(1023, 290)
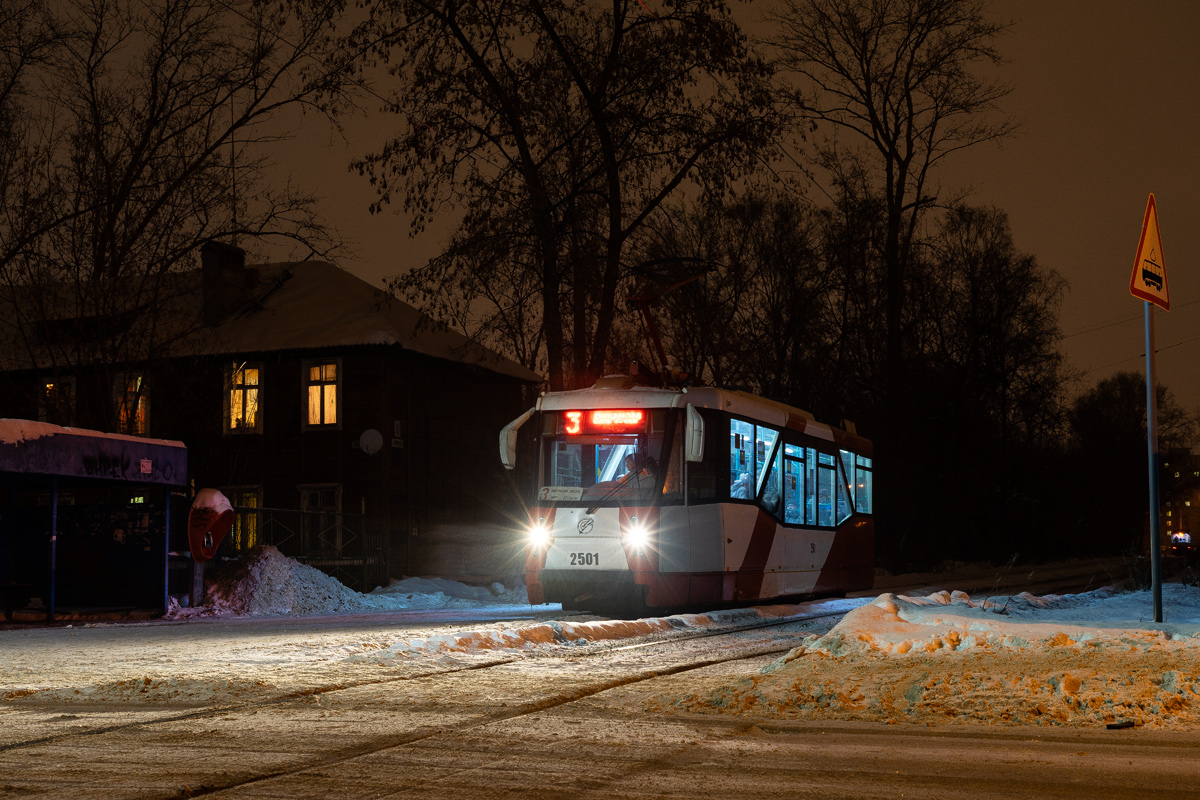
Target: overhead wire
point(1121, 321)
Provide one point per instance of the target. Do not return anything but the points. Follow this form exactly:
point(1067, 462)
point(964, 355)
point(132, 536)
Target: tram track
point(304, 695)
point(1078, 580)
point(383, 744)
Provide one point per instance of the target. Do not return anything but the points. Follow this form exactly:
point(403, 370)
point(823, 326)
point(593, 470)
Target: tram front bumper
point(573, 587)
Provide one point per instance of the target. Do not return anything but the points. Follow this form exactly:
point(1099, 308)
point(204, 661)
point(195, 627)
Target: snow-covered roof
point(313, 304)
point(291, 306)
point(39, 448)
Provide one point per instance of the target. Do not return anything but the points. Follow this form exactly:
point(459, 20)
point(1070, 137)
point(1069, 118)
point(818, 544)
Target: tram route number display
point(585, 559)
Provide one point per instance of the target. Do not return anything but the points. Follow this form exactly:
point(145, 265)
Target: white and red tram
point(654, 498)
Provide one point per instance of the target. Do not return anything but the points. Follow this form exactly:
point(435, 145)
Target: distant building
point(368, 428)
point(1179, 498)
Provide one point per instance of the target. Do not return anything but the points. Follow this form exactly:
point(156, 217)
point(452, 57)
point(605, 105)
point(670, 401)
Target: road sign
point(1149, 279)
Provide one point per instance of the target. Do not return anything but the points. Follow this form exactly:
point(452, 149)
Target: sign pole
point(1148, 283)
point(1152, 454)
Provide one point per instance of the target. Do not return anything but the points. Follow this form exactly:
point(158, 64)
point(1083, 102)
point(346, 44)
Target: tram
point(651, 498)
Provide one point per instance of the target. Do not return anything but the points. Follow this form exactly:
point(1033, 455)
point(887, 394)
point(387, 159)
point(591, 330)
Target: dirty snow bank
point(267, 583)
point(579, 633)
point(1082, 660)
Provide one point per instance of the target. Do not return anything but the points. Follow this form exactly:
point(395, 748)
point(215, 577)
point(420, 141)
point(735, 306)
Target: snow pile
point(445, 593)
point(1082, 660)
point(266, 582)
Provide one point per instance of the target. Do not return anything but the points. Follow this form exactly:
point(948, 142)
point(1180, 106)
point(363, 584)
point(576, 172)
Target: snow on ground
point(1080, 660)
point(265, 583)
point(1083, 660)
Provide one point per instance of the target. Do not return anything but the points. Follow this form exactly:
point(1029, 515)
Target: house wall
point(434, 494)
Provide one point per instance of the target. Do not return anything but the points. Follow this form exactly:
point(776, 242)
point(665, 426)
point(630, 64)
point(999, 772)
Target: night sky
point(1109, 97)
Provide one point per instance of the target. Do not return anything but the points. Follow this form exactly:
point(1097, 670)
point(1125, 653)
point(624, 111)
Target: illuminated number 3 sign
point(602, 421)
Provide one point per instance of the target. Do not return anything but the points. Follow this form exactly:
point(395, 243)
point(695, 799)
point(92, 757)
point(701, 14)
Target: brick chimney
point(226, 281)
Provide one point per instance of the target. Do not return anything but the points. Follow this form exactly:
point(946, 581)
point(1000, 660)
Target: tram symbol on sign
point(585, 525)
point(1148, 280)
point(1152, 271)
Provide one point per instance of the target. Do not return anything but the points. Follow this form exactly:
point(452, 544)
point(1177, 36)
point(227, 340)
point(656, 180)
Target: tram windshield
point(610, 458)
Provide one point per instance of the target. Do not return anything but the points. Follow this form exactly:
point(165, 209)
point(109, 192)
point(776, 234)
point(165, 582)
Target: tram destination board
point(603, 421)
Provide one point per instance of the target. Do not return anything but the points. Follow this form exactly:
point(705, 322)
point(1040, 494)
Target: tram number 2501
point(585, 559)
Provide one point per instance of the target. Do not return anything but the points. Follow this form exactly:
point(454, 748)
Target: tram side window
point(772, 486)
point(750, 457)
point(705, 476)
point(847, 471)
point(810, 483)
point(845, 504)
point(863, 484)
point(793, 485)
point(764, 441)
point(672, 456)
point(742, 485)
point(826, 488)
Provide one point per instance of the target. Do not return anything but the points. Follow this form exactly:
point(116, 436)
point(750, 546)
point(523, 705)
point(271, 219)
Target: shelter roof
point(39, 448)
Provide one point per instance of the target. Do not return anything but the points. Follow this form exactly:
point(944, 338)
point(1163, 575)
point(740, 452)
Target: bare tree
point(985, 320)
point(163, 113)
point(895, 77)
point(29, 39)
point(572, 123)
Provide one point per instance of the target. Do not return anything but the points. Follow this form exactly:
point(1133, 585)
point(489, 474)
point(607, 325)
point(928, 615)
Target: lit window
point(321, 387)
point(56, 402)
point(244, 414)
point(131, 399)
point(246, 502)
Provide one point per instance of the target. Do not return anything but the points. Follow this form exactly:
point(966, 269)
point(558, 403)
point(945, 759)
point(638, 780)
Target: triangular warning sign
point(1149, 279)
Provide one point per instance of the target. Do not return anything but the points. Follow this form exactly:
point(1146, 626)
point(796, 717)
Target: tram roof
point(622, 391)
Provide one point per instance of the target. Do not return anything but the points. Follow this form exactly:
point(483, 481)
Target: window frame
point(240, 517)
point(120, 390)
point(664, 428)
point(310, 537)
point(231, 372)
point(810, 462)
point(61, 416)
point(310, 488)
point(306, 381)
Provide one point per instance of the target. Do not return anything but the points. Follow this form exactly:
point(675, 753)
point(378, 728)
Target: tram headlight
point(539, 534)
point(636, 534)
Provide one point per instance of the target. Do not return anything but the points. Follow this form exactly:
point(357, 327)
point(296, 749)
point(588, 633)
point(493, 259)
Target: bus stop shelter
point(85, 517)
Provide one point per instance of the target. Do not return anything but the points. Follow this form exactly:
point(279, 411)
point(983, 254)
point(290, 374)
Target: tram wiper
point(634, 480)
